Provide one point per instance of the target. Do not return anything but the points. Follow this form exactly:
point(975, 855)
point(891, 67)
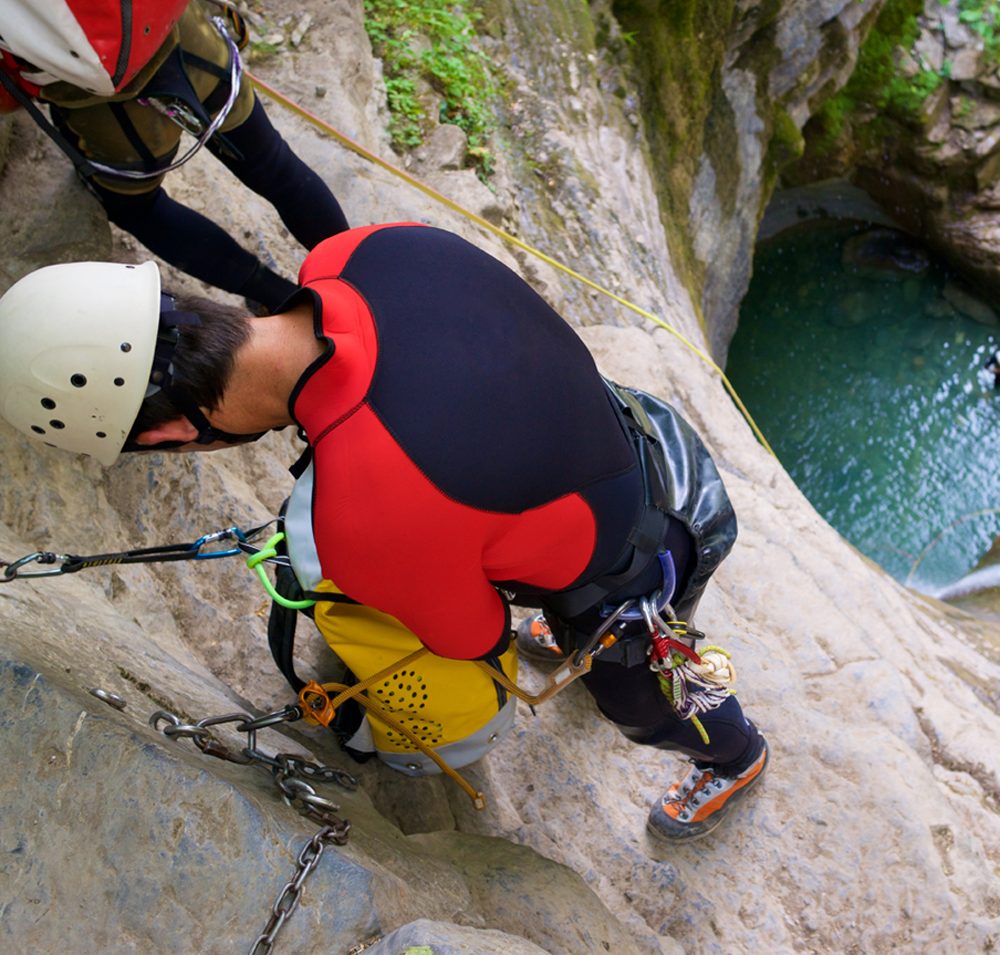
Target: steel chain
point(288, 772)
point(288, 898)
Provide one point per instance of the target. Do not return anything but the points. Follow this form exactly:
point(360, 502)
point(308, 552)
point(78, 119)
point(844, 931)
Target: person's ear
point(178, 429)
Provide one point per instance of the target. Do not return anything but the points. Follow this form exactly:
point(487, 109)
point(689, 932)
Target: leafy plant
point(877, 87)
point(433, 42)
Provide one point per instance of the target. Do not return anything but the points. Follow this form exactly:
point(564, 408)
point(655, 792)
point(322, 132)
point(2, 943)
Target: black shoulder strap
point(281, 627)
point(282, 620)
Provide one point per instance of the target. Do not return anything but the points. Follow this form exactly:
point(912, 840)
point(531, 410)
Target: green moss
point(982, 17)
point(434, 42)
point(678, 49)
point(786, 144)
point(878, 95)
point(679, 52)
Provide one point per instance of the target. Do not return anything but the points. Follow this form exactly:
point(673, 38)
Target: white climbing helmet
point(76, 349)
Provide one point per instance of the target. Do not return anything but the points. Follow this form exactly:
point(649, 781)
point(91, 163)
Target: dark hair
point(202, 361)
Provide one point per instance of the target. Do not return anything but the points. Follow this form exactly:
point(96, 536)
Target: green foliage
point(876, 81)
point(433, 41)
point(877, 86)
point(983, 17)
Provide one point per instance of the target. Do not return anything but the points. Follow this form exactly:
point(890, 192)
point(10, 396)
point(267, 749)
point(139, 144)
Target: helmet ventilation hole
point(48, 404)
point(101, 434)
point(119, 382)
point(37, 429)
point(78, 380)
point(57, 424)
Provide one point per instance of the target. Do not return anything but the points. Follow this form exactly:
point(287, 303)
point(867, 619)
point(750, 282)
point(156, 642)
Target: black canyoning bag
point(681, 483)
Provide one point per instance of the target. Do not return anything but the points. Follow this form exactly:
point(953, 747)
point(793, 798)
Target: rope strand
point(360, 150)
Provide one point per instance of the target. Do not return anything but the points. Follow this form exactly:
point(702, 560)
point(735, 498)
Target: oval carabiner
point(13, 570)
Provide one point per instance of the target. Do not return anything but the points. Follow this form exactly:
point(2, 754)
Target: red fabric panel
point(390, 539)
point(152, 21)
point(7, 102)
point(10, 66)
point(347, 320)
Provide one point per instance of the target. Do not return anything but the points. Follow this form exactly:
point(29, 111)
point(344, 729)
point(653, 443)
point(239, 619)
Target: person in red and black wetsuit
point(463, 449)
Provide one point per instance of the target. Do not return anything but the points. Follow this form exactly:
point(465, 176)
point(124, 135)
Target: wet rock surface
point(936, 175)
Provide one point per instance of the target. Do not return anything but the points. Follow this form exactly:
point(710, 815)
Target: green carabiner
point(256, 562)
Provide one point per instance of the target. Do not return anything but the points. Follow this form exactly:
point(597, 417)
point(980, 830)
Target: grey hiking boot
point(694, 806)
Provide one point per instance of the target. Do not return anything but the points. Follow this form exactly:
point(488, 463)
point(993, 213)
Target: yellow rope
point(357, 148)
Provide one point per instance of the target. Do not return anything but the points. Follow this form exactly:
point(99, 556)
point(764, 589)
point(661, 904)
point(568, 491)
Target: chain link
point(290, 773)
point(288, 898)
point(282, 766)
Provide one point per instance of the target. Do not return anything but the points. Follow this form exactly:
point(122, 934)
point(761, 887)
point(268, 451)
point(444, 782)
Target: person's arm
point(391, 540)
point(435, 586)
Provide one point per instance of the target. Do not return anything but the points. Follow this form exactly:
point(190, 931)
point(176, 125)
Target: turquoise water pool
point(863, 364)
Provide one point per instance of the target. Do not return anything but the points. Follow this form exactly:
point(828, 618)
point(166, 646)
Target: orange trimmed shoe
point(694, 806)
point(535, 640)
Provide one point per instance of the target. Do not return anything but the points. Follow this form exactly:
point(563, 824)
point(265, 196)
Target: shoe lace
point(689, 796)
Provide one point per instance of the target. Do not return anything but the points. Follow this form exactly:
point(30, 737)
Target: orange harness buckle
point(317, 709)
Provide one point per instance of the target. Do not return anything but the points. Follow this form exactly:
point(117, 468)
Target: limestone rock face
point(725, 93)
point(32, 234)
point(877, 826)
point(447, 939)
point(937, 174)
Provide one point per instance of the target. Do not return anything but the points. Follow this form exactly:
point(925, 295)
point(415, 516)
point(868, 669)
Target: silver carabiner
point(13, 570)
point(619, 614)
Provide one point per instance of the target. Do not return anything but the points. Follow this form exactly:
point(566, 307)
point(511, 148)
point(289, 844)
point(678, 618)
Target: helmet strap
point(207, 434)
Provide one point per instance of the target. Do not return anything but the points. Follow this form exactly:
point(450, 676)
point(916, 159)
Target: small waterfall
point(986, 578)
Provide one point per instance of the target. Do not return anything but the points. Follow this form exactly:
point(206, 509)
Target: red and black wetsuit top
point(462, 438)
